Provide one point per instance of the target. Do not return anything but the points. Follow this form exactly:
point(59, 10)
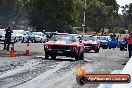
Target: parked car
point(64, 45)
point(28, 36)
point(2, 36)
point(103, 40)
point(19, 34)
point(90, 43)
point(50, 34)
point(39, 37)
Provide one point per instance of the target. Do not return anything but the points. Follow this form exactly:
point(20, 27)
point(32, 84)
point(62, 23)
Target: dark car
point(64, 45)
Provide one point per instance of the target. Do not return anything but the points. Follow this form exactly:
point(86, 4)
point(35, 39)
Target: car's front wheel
point(53, 57)
point(97, 50)
point(22, 41)
point(79, 56)
point(104, 47)
point(82, 56)
point(46, 55)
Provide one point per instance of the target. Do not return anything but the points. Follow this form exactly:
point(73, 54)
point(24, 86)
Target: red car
point(90, 43)
point(64, 45)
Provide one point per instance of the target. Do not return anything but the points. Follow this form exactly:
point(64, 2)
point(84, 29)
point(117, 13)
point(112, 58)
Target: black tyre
point(41, 41)
point(97, 51)
point(53, 57)
point(109, 47)
point(121, 49)
point(22, 41)
point(33, 41)
point(77, 56)
point(105, 47)
point(46, 55)
point(81, 56)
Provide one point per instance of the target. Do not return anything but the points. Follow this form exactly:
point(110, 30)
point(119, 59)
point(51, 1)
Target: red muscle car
point(64, 45)
point(90, 43)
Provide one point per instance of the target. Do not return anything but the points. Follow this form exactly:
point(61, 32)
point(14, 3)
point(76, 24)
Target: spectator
point(129, 41)
point(125, 40)
point(119, 40)
point(7, 38)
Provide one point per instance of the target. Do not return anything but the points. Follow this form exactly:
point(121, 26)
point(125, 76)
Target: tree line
point(63, 15)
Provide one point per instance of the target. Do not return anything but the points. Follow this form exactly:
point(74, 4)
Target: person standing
point(119, 40)
point(129, 41)
point(7, 38)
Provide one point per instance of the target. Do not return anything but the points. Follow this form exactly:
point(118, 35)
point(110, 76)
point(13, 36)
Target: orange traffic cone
point(12, 52)
point(27, 51)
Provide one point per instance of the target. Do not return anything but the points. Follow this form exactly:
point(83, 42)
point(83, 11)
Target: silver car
point(39, 37)
point(2, 36)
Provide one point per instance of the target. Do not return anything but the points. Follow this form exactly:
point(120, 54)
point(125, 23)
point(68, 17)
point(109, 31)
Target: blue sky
point(123, 3)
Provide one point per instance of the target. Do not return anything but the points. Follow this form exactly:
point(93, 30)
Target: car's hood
point(61, 43)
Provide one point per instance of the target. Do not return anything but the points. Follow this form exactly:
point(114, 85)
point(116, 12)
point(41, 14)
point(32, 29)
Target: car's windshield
point(102, 38)
point(88, 38)
point(69, 38)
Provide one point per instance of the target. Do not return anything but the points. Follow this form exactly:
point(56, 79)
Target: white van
point(18, 34)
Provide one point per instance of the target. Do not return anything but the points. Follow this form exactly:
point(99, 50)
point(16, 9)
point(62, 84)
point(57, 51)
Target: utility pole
point(84, 17)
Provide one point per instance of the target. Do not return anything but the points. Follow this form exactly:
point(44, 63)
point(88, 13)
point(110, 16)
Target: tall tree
point(99, 13)
point(12, 13)
point(52, 15)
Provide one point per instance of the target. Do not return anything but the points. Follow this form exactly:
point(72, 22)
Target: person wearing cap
point(129, 41)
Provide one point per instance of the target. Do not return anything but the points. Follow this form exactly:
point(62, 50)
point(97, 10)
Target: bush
point(122, 31)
